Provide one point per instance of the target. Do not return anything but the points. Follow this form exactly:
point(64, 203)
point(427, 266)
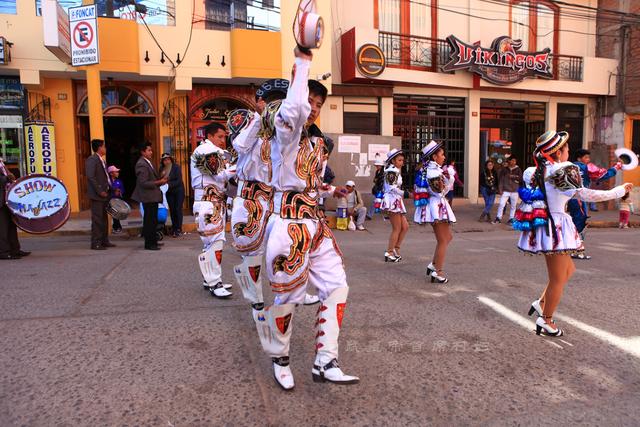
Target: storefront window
point(153, 12)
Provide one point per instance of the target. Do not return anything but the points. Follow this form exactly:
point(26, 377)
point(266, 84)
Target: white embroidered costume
point(392, 200)
point(251, 207)
point(562, 182)
point(209, 176)
point(433, 184)
point(300, 248)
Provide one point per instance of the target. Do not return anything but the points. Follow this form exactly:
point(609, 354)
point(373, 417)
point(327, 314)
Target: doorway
point(510, 129)
point(122, 136)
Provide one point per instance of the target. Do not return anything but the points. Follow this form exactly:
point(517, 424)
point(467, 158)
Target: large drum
point(119, 209)
point(39, 203)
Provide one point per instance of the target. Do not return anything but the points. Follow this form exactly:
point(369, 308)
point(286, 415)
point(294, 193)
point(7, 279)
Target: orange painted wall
point(256, 54)
point(118, 41)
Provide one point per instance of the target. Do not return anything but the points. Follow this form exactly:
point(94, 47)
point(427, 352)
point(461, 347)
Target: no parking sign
point(83, 28)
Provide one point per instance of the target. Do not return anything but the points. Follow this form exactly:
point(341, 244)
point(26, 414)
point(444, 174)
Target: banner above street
point(501, 64)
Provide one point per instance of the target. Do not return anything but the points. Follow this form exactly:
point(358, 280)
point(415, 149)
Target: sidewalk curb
point(191, 228)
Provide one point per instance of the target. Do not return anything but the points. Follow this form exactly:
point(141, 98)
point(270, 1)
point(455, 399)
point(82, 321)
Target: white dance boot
point(330, 312)
point(274, 328)
point(212, 271)
point(250, 280)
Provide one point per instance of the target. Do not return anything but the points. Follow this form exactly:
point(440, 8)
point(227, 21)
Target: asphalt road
point(129, 337)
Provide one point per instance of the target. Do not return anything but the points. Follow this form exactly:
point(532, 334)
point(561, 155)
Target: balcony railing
point(428, 54)
point(565, 67)
point(414, 52)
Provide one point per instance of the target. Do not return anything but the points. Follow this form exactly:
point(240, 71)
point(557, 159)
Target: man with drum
point(9, 243)
point(98, 187)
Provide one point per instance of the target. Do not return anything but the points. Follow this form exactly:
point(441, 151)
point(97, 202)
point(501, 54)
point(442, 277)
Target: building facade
point(166, 70)
point(438, 69)
point(619, 114)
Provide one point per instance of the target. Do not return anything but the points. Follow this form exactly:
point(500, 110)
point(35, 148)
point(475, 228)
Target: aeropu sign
point(503, 63)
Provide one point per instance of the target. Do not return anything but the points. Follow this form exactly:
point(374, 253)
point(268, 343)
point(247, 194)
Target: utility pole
point(94, 95)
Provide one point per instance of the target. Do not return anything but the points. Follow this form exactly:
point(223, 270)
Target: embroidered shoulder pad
point(566, 177)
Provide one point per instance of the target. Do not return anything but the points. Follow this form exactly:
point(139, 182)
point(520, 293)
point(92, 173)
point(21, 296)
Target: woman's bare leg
point(396, 225)
point(442, 231)
point(404, 227)
point(560, 269)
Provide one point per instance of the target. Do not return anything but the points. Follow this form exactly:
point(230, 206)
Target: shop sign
point(370, 60)
point(214, 113)
point(55, 22)
point(501, 64)
point(41, 148)
point(83, 30)
point(11, 93)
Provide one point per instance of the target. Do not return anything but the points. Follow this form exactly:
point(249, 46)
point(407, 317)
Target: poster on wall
point(40, 144)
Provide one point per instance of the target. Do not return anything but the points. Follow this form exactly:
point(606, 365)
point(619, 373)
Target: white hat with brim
point(431, 148)
point(393, 154)
point(350, 184)
point(378, 162)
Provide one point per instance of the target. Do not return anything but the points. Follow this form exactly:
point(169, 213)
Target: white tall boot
point(274, 325)
point(330, 312)
point(250, 280)
point(212, 271)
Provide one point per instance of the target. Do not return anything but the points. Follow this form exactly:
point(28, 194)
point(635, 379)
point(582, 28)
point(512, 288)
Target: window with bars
point(419, 119)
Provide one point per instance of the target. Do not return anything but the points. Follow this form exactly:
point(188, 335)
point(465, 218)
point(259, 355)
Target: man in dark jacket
point(147, 192)
point(98, 186)
point(9, 243)
point(509, 180)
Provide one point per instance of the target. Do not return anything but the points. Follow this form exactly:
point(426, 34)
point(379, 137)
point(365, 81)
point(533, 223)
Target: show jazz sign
point(501, 64)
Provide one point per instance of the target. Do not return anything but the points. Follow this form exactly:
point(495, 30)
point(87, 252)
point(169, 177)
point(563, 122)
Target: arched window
point(536, 23)
point(120, 101)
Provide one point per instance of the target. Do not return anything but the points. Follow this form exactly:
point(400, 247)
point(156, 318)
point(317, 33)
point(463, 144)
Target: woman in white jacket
point(545, 226)
point(431, 188)
point(393, 204)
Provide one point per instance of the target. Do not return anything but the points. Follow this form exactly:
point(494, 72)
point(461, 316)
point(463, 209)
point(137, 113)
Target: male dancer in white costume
point(253, 204)
point(300, 247)
point(209, 176)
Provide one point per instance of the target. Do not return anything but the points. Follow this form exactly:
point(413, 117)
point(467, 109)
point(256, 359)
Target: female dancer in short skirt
point(432, 207)
point(393, 205)
point(545, 226)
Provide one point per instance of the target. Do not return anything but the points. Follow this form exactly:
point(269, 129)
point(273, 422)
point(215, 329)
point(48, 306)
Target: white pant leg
point(249, 225)
point(361, 215)
point(326, 269)
point(287, 257)
point(503, 202)
point(210, 220)
point(513, 197)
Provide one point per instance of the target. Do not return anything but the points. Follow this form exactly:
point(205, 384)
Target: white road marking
point(508, 313)
point(567, 343)
point(516, 318)
point(629, 345)
point(554, 344)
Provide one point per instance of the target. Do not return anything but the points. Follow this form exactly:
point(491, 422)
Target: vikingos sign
point(501, 64)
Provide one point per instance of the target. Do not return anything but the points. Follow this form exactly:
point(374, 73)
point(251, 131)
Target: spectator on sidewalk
point(488, 188)
point(9, 243)
point(626, 209)
point(98, 188)
point(509, 180)
point(147, 193)
point(355, 205)
point(175, 193)
point(117, 192)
